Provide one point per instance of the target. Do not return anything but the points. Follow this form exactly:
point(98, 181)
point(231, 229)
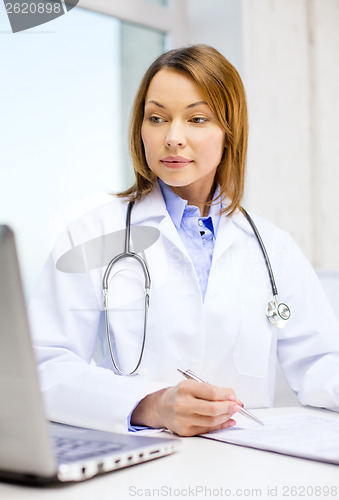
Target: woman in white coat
point(209, 282)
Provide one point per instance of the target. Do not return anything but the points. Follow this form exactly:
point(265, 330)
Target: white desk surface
point(203, 469)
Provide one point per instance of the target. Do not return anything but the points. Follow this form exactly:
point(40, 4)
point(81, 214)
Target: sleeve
point(64, 315)
point(308, 348)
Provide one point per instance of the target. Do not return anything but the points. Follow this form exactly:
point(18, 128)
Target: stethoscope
point(277, 312)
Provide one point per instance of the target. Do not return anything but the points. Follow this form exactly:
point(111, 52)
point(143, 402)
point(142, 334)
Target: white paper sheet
point(299, 435)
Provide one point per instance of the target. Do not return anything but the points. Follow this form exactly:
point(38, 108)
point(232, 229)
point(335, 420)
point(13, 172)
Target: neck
point(199, 198)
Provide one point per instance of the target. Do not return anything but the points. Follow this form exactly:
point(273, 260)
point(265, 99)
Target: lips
point(175, 162)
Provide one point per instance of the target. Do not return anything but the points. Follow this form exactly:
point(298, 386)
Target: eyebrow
point(152, 101)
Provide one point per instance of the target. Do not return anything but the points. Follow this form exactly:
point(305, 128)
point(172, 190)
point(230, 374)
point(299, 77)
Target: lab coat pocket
point(252, 348)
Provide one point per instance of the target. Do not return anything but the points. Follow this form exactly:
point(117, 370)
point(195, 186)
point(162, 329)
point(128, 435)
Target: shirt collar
point(176, 206)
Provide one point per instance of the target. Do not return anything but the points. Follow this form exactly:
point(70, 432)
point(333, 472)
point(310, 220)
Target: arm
point(64, 315)
point(308, 349)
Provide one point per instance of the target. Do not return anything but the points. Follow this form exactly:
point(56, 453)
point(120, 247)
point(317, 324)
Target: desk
point(203, 469)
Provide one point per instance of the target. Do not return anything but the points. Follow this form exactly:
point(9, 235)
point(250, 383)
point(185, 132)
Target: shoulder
point(85, 221)
point(278, 242)
point(267, 229)
point(109, 211)
point(284, 253)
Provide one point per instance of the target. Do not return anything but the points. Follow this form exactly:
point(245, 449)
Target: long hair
point(224, 92)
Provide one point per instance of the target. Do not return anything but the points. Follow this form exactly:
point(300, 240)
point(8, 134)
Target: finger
point(197, 412)
point(195, 430)
point(232, 397)
point(209, 392)
point(209, 421)
point(229, 423)
point(214, 408)
point(187, 415)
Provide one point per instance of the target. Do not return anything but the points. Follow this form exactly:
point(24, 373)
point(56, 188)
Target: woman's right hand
point(188, 409)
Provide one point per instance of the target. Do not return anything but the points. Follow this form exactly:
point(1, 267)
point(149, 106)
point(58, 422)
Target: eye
point(199, 119)
point(155, 119)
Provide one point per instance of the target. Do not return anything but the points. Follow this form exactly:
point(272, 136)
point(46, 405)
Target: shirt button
point(200, 222)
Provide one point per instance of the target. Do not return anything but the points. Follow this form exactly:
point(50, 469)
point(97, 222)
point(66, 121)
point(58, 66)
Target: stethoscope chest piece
point(277, 313)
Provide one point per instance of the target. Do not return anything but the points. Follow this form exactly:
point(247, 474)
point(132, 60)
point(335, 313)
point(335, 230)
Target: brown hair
point(223, 90)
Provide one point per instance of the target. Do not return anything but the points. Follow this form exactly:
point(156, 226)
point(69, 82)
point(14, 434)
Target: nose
point(175, 136)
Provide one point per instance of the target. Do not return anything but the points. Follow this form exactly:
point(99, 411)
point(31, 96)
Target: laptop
point(32, 449)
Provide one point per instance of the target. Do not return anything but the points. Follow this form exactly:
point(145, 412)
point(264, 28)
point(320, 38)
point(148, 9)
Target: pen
point(191, 375)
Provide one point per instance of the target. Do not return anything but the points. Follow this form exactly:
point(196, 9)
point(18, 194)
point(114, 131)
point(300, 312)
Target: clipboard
point(296, 432)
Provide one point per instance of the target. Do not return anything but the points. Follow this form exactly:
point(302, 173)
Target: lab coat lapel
point(149, 208)
point(226, 236)
point(227, 232)
point(168, 230)
point(152, 209)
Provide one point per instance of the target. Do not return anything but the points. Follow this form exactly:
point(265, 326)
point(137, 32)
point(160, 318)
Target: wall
point(325, 138)
point(291, 66)
point(217, 23)
point(287, 53)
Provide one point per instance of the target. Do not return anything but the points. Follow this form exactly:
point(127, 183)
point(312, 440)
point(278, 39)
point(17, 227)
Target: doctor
point(209, 282)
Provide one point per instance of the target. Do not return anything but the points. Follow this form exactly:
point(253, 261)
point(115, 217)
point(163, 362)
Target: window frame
point(170, 19)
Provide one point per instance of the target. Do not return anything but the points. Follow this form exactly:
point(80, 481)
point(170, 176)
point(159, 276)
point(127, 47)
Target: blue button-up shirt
point(197, 233)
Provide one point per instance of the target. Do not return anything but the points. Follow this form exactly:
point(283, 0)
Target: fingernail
point(236, 408)
point(231, 398)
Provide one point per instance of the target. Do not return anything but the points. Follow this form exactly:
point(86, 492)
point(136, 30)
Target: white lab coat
point(226, 339)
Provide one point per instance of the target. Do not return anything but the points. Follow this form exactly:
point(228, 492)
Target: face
point(182, 137)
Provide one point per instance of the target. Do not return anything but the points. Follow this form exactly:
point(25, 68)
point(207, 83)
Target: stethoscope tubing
point(273, 314)
point(264, 251)
point(126, 254)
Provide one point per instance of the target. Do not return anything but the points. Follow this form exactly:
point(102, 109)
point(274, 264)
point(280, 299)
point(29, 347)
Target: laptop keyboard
point(67, 449)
